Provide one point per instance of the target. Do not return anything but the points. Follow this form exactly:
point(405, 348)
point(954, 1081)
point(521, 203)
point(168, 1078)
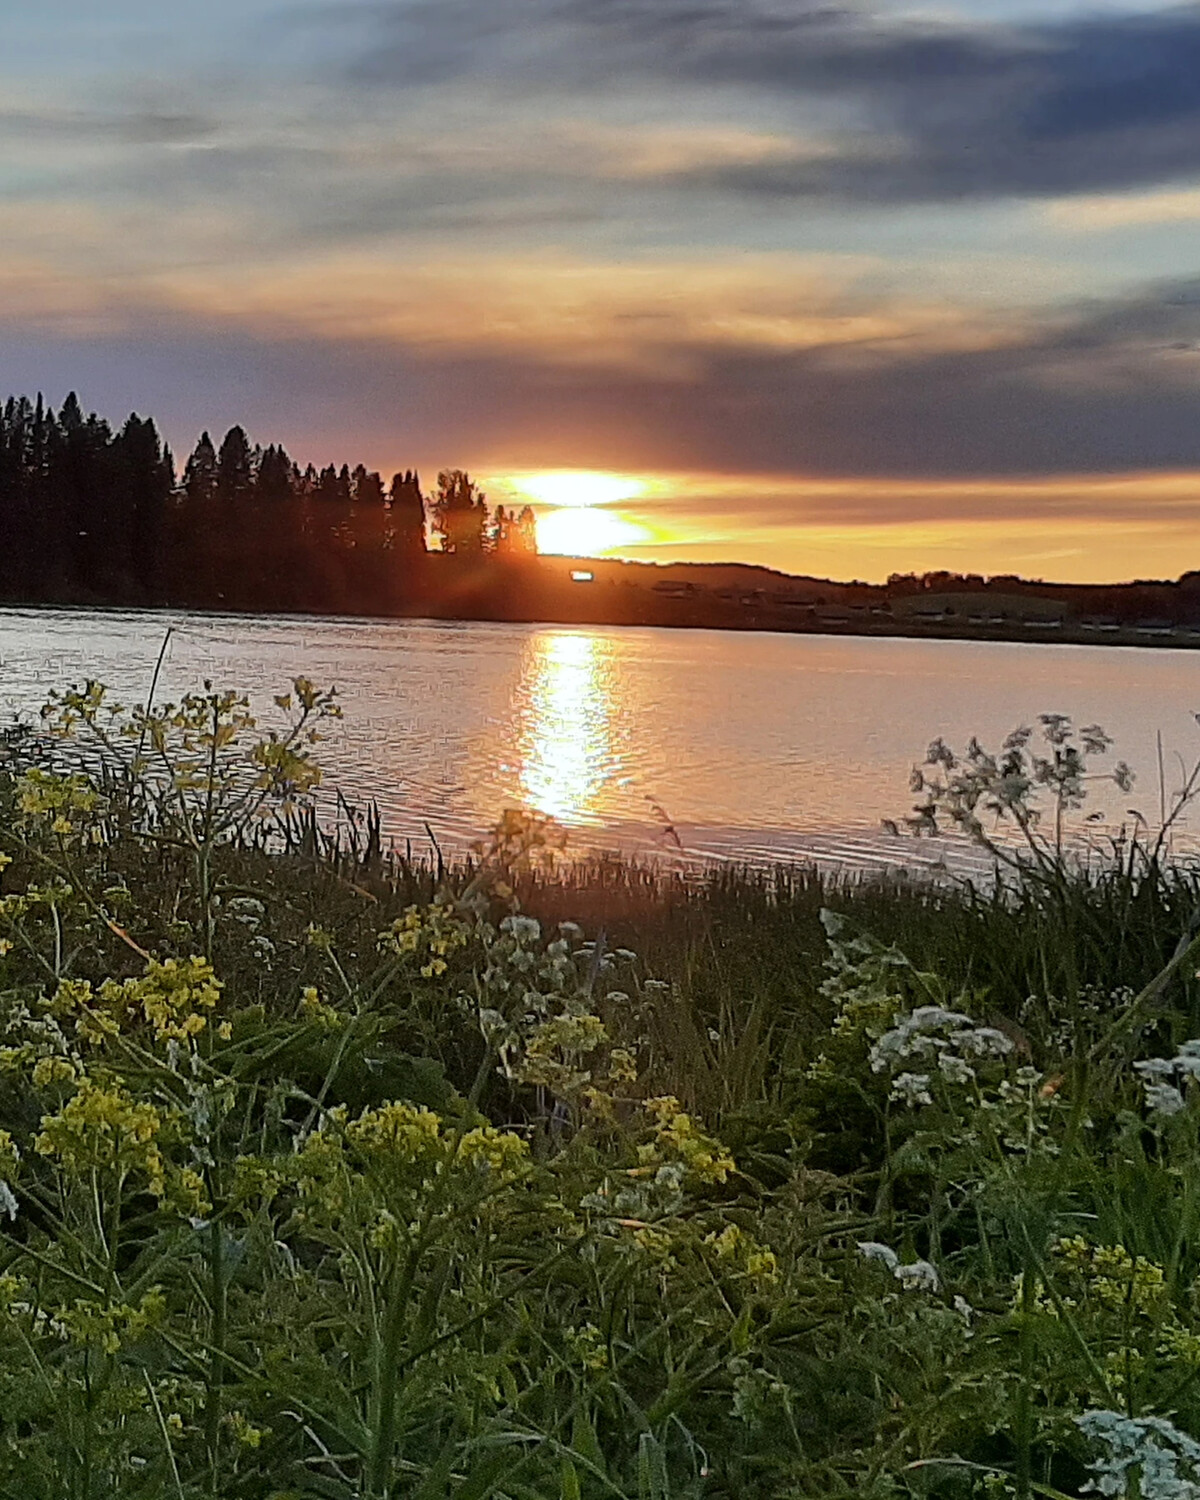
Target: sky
point(845, 289)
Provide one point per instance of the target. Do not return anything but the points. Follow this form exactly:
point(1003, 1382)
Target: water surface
point(748, 744)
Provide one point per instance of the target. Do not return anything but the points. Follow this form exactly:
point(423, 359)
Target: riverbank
point(717, 596)
point(327, 1173)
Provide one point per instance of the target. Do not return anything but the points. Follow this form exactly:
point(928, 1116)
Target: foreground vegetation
point(323, 1174)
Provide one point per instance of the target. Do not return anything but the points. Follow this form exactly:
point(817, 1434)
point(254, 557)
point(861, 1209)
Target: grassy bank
point(326, 1174)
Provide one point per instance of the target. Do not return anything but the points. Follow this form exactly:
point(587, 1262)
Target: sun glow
point(578, 487)
point(585, 532)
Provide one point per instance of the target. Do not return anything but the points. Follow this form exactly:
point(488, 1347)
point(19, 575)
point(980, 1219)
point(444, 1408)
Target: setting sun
point(584, 532)
point(578, 487)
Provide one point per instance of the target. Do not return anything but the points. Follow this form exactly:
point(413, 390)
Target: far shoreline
point(1176, 638)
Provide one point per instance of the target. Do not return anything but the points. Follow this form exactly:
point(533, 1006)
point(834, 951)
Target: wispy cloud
point(922, 109)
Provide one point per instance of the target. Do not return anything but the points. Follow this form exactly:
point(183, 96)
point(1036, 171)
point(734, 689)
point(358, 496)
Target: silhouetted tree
point(275, 479)
point(200, 472)
point(145, 479)
point(235, 467)
point(406, 507)
point(460, 514)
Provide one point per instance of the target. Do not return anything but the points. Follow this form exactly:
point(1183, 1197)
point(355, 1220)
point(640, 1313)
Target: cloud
point(1105, 387)
point(922, 109)
point(1125, 210)
point(153, 127)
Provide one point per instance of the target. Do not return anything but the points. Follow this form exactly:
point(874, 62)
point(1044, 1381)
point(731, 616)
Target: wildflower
point(678, 1133)
point(1164, 1078)
point(873, 1250)
point(105, 1129)
point(398, 1130)
point(1164, 1099)
point(1165, 1461)
point(498, 1152)
point(589, 1346)
point(51, 1070)
point(983, 1041)
point(918, 1276)
point(244, 1433)
point(522, 929)
point(911, 1089)
point(955, 1069)
point(313, 1008)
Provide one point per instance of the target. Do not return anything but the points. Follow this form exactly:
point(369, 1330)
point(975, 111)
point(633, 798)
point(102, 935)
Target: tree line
point(93, 514)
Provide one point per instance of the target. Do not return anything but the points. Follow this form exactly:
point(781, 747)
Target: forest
point(93, 515)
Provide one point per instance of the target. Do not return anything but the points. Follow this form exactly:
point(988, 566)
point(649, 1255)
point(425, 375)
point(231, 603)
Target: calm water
point(753, 745)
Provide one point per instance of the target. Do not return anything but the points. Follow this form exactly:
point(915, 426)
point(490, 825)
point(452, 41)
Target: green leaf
point(570, 1481)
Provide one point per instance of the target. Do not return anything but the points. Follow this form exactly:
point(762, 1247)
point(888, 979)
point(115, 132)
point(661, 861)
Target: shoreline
point(1032, 633)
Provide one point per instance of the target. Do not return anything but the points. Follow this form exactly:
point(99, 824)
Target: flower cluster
point(93, 1325)
point(105, 1130)
point(173, 997)
point(1165, 1078)
point(62, 801)
point(427, 935)
point(10, 1159)
point(1006, 787)
point(1150, 1452)
point(1115, 1277)
point(677, 1137)
point(313, 1008)
point(743, 1253)
point(945, 1040)
point(917, 1275)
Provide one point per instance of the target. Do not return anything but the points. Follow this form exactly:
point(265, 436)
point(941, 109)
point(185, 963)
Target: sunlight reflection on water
point(564, 741)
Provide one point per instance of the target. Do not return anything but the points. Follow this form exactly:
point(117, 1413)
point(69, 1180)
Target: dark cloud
point(1078, 105)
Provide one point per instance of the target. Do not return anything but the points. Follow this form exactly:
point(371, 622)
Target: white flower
point(524, 929)
point(912, 1089)
point(1148, 1446)
point(936, 1018)
point(1164, 1099)
point(954, 1069)
point(920, 1276)
point(1155, 1067)
point(8, 1202)
point(983, 1041)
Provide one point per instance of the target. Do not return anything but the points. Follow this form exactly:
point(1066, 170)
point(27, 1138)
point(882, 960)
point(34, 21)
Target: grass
point(327, 1173)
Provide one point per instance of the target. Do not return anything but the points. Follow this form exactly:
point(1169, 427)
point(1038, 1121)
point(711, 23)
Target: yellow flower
point(313, 1008)
point(48, 1070)
point(106, 1130)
